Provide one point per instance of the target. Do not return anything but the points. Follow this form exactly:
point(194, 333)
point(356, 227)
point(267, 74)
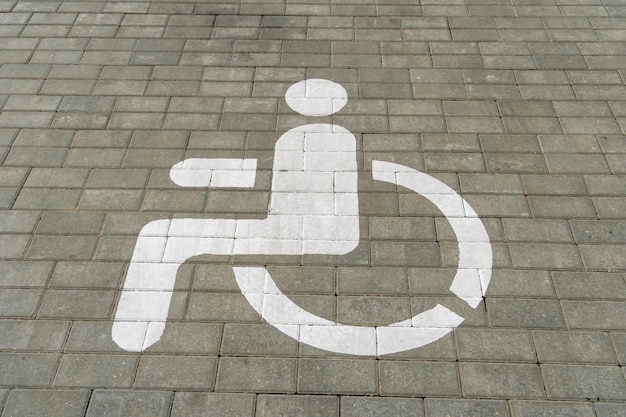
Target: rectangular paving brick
point(501, 380)
point(28, 369)
point(427, 379)
point(301, 405)
point(130, 403)
point(33, 335)
point(179, 372)
point(92, 370)
point(546, 408)
point(276, 375)
point(374, 406)
point(71, 403)
point(198, 404)
point(495, 345)
point(326, 376)
point(573, 347)
point(596, 382)
point(470, 408)
point(519, 107)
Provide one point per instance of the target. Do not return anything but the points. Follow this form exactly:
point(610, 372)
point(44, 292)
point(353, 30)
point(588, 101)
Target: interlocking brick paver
point(594, 382)
point(431, 379)
point(276, 375)
point(470, 408)
point(302, 405)
point(81, 370)
point(495, 345)
point(546, 408)
point(192, 404)
point(129, 403)
point(33, 335)
point(368, 406)
point(501, 380)
point(180, 372)
point(338, 376)
point(517, 106)
point(71, 403)
point(28, 369)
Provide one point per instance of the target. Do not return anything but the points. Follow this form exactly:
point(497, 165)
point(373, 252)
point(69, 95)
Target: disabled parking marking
point(313, 209)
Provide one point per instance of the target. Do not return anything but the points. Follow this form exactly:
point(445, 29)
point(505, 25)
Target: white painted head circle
point(316, 97)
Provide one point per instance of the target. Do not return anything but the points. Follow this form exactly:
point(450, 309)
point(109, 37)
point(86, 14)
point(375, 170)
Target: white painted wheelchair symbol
point(313, 210)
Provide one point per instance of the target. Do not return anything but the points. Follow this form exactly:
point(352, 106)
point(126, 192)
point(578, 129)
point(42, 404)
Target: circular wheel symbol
point(313, 210)
point(469, 284)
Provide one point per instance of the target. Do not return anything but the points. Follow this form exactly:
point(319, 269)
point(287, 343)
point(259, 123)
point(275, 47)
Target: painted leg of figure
point(162, 247)
point(145, 299)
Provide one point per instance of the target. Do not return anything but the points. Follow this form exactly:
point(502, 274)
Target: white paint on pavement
point(313, 209)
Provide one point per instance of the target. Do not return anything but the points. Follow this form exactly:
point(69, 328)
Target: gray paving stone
point(525, 313)
point(256, 340)
point(537, 230)
point(597, 315)
point(70, 403)
point(596, 285)
point(584, 381)
point(574, 347)
point(91, 370)
point(599, 231)
point(340, 376)
point(45, 157)
point(176, 372)
point(490, 184)
point(524, 283)
point(76, 304)
point(301, 405)
point(110, 199)
point(603, 257)
point(499, 205)
point(300, 279)
point(375, 406)
point(609, 207)
point(610, 409)
point(24, 273)
point(495, 345)
point(465, 408)
point(380, 281)
point(64, 223)
point(619, 341)
point(19, 221)
point(93, 157)
point(275, 375)
point(118, 403)
point(56, 177)
point(563, 59)
point(91, 336)
point(574, 163)
point(546, 408)
point(520, 144)
point(12, 176)
point(191, 404)
point(371, 310)
point(61, 247)
point(404, 253)
point(33, 335)
point(28, 369)
point(501, 380)
point(19, 302)
point(554, 184)
point(552, 256)
point(427, 379)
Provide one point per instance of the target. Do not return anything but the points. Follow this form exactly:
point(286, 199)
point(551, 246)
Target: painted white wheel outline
point(469, 284)
point(322, 218)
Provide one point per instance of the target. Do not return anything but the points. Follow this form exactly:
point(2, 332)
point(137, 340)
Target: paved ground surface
point(519, 105)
